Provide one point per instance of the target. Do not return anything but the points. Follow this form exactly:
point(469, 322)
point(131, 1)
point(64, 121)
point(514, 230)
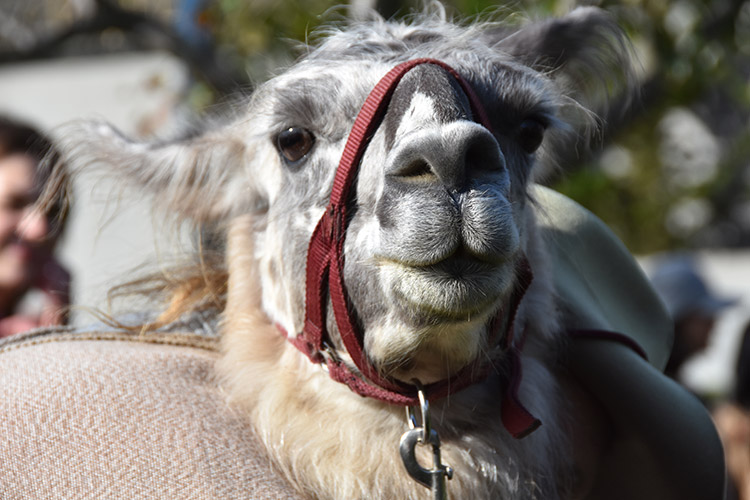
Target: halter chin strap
point(325, 277)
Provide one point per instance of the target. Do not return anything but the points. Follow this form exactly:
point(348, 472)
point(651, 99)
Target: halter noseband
point(325, 277)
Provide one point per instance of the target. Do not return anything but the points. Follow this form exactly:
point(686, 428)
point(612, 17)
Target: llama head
point(438, 219)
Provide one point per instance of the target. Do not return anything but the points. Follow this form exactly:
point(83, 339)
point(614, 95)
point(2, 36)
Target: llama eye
point(530, 134)
point(294, 143)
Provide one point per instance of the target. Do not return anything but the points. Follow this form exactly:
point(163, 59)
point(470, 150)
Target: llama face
point(438, 218)
point(437, 228)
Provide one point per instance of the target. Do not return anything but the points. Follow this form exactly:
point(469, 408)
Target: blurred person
point(34, 287)
point(691, 304)
point(694, 309)
point(732, 420)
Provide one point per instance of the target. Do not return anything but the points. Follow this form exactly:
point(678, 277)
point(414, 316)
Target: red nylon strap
point(325, 265)
point(516, 418)
point(325, 254)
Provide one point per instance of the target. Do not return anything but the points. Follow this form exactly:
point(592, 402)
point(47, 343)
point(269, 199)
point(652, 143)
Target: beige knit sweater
point(109, 415)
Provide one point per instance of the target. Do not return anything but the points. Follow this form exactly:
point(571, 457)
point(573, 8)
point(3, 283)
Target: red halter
point(325, 275)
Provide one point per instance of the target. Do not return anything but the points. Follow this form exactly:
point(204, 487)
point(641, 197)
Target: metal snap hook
point(434, 478)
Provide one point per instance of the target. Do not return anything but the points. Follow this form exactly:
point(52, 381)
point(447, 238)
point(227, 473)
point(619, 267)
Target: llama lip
point(457, 288)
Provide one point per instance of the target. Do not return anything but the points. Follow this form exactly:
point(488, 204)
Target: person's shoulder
point(135, 415)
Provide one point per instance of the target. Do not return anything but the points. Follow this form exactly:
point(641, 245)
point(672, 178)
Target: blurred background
point(672, 173)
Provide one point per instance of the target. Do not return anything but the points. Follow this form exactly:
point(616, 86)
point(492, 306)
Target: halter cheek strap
point(325, 277)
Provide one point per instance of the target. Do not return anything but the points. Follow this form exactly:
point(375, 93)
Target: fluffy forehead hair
point(384, 40)
point(587, 37)
point(565, 70)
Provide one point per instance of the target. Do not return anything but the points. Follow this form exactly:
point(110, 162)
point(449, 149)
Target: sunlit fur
point(426, 265)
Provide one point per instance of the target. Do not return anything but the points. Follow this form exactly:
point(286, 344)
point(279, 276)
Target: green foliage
point(687, 135)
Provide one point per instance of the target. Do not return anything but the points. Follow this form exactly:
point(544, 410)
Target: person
point(732, 418)
point(692, 305)
point(34, 286)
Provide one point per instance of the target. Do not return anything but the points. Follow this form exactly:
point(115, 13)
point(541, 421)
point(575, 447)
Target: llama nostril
point(418, 171)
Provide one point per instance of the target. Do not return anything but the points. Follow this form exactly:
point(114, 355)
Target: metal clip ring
point(424, 407)
point(328, 355)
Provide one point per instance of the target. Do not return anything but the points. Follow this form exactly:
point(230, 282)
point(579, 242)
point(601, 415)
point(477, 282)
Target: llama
point(420, 266)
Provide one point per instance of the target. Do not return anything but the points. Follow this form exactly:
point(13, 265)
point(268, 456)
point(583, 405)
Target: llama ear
point(583, 50)
point(200, 178)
